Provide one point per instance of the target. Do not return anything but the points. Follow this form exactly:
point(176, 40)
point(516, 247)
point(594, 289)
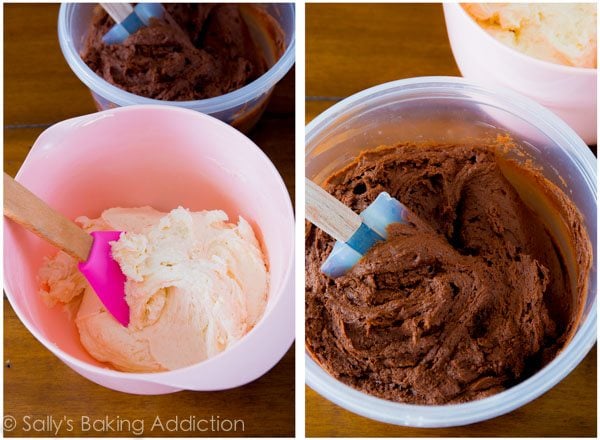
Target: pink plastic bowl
point(163, 157)
point(570, 92)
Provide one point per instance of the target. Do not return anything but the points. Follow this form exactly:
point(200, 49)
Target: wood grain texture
point(23, 207)
point(39, 86)
point(350, 47)
point(38, 384)
point(329, 214)
point(39, 90)
point(17, 143)
point(315, 107)
point(567, 410)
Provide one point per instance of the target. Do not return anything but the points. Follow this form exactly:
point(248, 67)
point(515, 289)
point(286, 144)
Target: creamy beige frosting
point(559, 33)
point(196, 284)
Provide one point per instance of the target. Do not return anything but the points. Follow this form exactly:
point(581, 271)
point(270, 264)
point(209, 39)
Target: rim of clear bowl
point(437, 416)
point(123, 98)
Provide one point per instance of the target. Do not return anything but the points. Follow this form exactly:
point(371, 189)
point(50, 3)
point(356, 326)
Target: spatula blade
point(140, 17)
point(384, 211)
point(105, 275)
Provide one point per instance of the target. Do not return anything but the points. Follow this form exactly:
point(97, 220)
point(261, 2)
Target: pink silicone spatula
point(91, 250)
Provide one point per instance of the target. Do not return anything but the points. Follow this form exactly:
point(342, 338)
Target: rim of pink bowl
point(156, 376)
point(589, 71)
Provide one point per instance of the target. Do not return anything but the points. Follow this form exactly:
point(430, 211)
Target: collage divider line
point(300, 207)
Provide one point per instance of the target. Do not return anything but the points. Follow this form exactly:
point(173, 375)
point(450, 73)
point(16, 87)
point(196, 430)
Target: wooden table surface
point(39, 90)
point(350, 47)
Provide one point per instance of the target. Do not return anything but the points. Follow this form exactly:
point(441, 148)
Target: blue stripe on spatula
point(140, 17)
point(384, 211)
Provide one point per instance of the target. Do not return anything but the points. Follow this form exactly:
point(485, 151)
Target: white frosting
point(196, 284)
point(559, 33)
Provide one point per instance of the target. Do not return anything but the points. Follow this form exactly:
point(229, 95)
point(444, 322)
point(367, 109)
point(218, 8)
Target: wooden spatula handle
point(329, 214)
point(117, 11)
point(23, 207)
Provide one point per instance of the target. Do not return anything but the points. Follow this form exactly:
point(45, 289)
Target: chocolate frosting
point(200, 51)
point(469, 298)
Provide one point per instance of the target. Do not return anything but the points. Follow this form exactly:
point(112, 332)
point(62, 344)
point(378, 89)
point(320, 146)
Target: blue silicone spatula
point(355, 234)
point(129, 19)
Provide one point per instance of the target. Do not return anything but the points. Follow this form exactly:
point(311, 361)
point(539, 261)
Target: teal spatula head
point(140, 17)
point(384, 211)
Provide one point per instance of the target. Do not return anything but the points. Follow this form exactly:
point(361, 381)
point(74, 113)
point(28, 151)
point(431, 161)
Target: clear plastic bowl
point(450, 110)
point(241, 108)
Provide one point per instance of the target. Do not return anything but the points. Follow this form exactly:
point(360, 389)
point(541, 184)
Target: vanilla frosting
point(559, 33)
point(196, 284)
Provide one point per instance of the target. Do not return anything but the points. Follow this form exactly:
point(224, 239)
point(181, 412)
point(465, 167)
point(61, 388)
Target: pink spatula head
point(105, 275)
point(93, 251)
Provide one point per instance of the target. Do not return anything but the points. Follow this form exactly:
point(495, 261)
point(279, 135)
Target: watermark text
point(54, 426)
